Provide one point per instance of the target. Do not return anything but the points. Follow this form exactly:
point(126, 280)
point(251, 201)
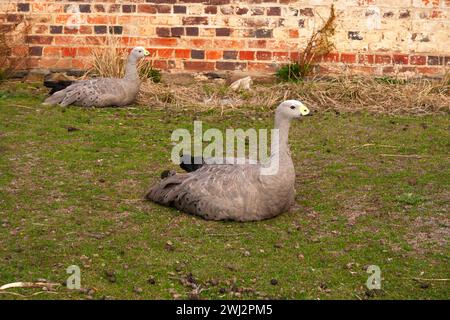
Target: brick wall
point(407, 37)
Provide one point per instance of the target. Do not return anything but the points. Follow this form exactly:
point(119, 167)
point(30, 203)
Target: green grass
point(76, 198)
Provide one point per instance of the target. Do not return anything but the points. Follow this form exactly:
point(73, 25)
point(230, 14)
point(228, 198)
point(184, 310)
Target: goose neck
point(280, 145)
point(131, 72)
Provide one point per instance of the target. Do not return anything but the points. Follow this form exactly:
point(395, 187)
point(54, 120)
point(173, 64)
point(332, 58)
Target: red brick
point(62, 18)
point(35, 51)
point(127, 8)
point(56, 63)
point(165, 53)
point(362, 69)
point(229, 44)
point(230, 65)
point(97, 19)
point(223, 32)
point(52, 51)
point(211, 10)
point(348, 57)
point(200, 43)
point(281, 56)
point(164, 9)
point(408, 69)
point(14, 17)
point(86, 29)
point(366, 58)
point(389, 69)
point(19, 51)
point(164, 42)
point(84, 51)
point(69, 52)
point(246, 55)
point(198, 65)
point(40, 29)
point(257, 44)
point(435, 60)
point(293, 33)
point(160, 64)
point(30, 62)
point(400, 59)
point(241, 11)
point(192, 31)
point(147, 8)
point(261, 67)
point(430, 70)
point(177, 31)
point(230, 55)
point(417, 60)
point(214, 54)
point(39, 39)
point(216, 2)
point(382, 59)
point(295, 56)
point(80, 64)
point(23, 7)
point(70, 30)
point(274, 11)
point(198, 54)
point(195, 20)
point(179, 9)
point(183, 53)
point(163, 31)
point(331, 57)
point(307, 12)
point(263, 55)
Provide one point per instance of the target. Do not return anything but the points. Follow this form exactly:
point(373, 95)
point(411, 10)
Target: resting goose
point(103, 92)
point(241, 192)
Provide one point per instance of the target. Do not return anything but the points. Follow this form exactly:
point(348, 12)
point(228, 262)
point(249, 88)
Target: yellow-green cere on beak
point(146, 53)
point(304, 111)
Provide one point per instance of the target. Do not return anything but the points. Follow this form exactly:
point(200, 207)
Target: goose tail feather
point(56, 98)
point(165, 191)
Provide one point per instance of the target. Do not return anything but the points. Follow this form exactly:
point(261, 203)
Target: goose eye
point(292, 107)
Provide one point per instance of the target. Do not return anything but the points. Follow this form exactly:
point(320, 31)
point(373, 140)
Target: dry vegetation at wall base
point(343, 94)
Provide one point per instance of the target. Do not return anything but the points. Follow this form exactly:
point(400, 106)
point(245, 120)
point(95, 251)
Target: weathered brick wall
point(406, 37)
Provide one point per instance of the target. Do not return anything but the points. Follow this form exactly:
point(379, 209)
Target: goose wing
point(96, 92)
point(216, 192)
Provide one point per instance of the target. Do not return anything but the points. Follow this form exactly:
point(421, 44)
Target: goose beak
point(146, 53)
point(304, 111)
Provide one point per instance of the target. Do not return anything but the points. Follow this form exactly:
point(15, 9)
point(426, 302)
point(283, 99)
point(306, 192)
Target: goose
point(239, 192)
point(103, 92)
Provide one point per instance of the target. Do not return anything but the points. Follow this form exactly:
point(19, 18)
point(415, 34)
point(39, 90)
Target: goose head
point(138, 53)
point(292, 109)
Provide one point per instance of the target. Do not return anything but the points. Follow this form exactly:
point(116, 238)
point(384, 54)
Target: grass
point(75, 197)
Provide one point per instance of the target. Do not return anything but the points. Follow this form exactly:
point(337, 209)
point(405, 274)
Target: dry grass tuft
point(110, 61)
point(343, 94)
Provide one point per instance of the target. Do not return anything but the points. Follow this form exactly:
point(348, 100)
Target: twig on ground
point(29, 285)
point(26, 296)
point(227, 234)
point(372, 144)
point(425, 279)
point(416, 156)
